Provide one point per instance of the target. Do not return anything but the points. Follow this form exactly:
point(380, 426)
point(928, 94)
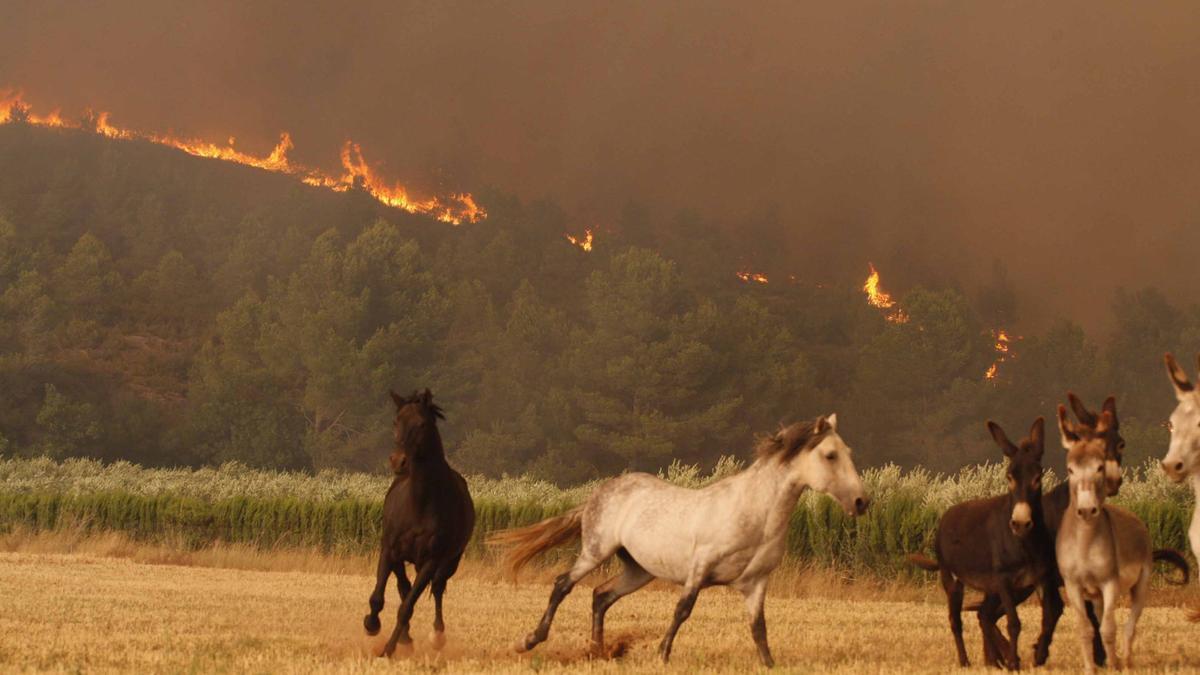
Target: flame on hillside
point(1003, 346)
point(877, 297)
point(756, 277)
point(356, 172)
point(584, 242)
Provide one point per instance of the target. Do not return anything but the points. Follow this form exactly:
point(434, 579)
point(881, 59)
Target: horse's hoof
point(437, 639)
point(371, 624)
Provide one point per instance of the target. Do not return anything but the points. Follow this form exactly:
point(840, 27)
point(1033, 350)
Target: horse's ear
point(1037, 436)
point(1001, 439)
point(832, 420)
point(1084, 415)
point(1065, 429)
point(397, 399)
point(1179, 379)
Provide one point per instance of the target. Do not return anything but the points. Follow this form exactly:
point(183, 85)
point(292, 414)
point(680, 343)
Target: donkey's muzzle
point(1020, 527)
point(1174, 470)
point(861, 504)
point(1088, 513)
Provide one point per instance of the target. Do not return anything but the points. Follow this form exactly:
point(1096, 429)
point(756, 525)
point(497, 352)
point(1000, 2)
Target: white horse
point(1183, 455)
point(732, 532)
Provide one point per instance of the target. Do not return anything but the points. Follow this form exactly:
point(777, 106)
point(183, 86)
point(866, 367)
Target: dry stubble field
point(79, 612)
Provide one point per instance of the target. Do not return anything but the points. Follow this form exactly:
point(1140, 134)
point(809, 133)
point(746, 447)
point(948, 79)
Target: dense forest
point(171, 310)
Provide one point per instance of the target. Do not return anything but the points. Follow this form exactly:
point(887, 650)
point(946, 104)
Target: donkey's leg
point(1097, 643)
point(756, 593)
point(402, 585)
point(632, 578)
point(585, 563)
point(954, 601)
point(382, 571)
point(1137, 600)
point(404, 614)
point(1012, 658)
point(1052, 609)
point(1108, 619)
point(1086, 630)
point(683, 609)
point(988, 613)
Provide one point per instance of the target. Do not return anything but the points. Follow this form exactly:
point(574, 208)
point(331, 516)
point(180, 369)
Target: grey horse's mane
point(791, 440)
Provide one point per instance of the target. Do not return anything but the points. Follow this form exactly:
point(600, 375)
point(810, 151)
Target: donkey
point(1182, 461)
point(1103, 550)
point(732, 532)
point(428, 518)
point(997, 545)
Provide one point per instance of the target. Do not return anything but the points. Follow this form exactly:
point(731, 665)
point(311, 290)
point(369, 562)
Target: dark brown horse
point(996, 545)
point(428, 517)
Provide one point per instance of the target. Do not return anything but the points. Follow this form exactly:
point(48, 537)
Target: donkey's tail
point(923, 561)
point(525, 543)
point(1170, 555)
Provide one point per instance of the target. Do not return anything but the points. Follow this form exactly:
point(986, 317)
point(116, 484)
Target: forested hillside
point(172, 310)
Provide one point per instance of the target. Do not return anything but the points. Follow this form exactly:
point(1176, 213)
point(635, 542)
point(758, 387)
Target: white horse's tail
point(525, 543)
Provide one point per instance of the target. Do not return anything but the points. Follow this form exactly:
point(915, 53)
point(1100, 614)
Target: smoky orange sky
point(931, 137)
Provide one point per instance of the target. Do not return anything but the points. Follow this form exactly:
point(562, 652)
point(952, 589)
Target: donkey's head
point(1183, 455)
point(1024, 473)
point(1086, 456)
point(1114, 443)
point(812, 454)
point(414, 428)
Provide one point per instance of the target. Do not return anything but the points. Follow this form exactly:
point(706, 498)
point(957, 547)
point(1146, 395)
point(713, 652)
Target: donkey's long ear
point(1067, 430)
point(426, 397)
point(397, 399)
point(832, 420)
point(1105, 423)
point(1110, 407)
point(1037, 436)
point(1179, 379)
point(1084, 415)
point(1001, 439)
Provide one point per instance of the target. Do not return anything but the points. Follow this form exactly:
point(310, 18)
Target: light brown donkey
point(1103, 550)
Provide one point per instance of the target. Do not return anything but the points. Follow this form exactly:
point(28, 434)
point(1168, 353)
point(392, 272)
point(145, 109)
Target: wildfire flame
point(1003, 347)
point(756, 277)
point(877, 297)
point(584, 242)
point(357, 173)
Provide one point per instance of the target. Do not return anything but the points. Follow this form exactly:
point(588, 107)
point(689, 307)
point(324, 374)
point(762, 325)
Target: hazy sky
point(1062, 137)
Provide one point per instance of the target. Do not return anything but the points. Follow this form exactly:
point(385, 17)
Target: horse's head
point(813, 454)
point(1087, 454)
point(1183, 455)
point(414, 428)
point(1114, 443)
point(1024, 473)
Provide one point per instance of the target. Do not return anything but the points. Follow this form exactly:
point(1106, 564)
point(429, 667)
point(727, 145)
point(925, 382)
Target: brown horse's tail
point(525, 543)
point(1170, 555)
point(923, 561)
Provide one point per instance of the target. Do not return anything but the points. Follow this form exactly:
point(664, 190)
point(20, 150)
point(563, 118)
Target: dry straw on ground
point(82, 611)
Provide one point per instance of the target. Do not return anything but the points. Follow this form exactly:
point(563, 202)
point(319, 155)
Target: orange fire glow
point(584, 242)
point(756, 277)
point(357, 173)
point(1003, 347)
point(877, 297)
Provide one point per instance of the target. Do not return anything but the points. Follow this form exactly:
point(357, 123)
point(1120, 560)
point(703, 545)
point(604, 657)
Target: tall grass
point(341, 512)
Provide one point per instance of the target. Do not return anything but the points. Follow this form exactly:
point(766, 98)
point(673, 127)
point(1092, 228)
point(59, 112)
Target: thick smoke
point(932, 138)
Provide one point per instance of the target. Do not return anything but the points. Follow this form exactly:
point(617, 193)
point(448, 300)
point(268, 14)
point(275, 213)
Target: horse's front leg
point(382, 571)
point(404, 614)
point(683, 609)
point(756, 594)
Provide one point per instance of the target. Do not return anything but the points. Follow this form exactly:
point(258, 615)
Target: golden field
point(88, 611)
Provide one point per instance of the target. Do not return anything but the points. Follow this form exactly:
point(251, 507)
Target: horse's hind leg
point(404, 614)
point(756, 593)
point(606, 594)
point(371, 621)
point(954, 602)
point(585, 563)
